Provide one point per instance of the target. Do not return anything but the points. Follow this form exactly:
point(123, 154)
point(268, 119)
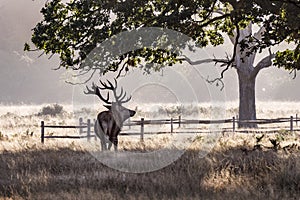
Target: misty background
point(30, 79)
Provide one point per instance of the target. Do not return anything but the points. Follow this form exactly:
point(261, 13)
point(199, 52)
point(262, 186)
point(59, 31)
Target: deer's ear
point(108, 107)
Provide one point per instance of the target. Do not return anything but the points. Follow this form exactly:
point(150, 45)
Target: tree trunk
point(247, 109)
point(247, 73)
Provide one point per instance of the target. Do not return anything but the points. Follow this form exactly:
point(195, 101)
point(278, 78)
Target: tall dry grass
point(232, 170)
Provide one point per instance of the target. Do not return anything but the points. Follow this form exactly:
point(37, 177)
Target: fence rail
point(179, 121)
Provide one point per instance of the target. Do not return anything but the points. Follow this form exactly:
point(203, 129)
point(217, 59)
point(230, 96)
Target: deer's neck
point(118, 118)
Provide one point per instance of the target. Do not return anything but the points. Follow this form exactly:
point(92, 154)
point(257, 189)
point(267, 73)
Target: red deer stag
point(109, 123)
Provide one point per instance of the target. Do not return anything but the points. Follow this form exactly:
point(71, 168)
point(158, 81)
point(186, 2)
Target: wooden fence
point(179, 121)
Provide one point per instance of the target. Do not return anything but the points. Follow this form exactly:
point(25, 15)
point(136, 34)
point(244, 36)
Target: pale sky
point(26, 78)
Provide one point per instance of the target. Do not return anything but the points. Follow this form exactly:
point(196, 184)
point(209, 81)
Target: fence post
point(179, 121)
point(296, 119)
point(291, 124)
point(129, 123)
point(142, 129)
point(233, 124)
point(94, 131)
point(171, 125)
point(88, 129)
point(80, 124)
point(42, 131)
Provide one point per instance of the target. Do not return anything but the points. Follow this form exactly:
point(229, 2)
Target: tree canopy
point(73, 29)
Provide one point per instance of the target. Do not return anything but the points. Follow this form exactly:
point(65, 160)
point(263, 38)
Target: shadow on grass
point(231, 173)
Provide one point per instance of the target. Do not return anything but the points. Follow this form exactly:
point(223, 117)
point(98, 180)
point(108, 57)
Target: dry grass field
point(240, 166)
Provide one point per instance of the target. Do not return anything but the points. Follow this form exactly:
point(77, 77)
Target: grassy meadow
point(240, 166)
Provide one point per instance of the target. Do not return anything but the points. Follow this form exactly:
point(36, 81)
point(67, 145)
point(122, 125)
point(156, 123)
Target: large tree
point(72, 30)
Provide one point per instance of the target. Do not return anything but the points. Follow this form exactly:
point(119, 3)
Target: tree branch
point(121, 70)
point(198, 62)
point(85, 81)
point(208, 22)
point(229, 62)
point(208, 60)
point(295, 73)
point(263, 63)
point(232, 38)
point(225, 62)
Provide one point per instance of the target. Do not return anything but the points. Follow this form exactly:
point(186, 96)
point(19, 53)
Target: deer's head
point(118, 111)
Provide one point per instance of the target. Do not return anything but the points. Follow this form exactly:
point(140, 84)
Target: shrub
point(52, 110)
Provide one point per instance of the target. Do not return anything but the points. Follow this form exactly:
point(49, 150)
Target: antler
point(109, 86)
point(95, 91)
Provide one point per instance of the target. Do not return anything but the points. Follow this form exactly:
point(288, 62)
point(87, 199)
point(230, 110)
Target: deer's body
point(109, 123)
point(106, 129)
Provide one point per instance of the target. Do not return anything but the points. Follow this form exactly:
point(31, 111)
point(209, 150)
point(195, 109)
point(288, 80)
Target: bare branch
point(217, 81)
point(84, 82)
point(33, 50)
point(208, 22)
point(295, 73)
point(57, 68)
point(121, 70)
point(51, 56)
point(41, 54)
point(83, 72)
point(263, 63)
point(199, 62)
point(229, 62)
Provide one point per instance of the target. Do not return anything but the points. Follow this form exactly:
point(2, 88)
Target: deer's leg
point(110, 134)
point(116, 143)
point(104, 141)
point(109, 143)
point(103, 145)
point(113, 140)
point(101, 134)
